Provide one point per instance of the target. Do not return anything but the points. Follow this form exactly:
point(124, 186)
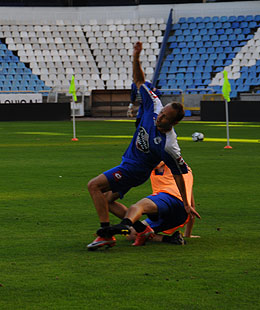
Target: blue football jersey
point(149, 146)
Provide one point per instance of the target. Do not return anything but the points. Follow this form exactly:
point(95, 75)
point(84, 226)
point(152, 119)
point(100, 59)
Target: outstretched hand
point(137, 49)
point(191, 211)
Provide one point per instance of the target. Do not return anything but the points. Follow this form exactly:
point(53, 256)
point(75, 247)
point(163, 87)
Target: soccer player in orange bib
point(164, 209)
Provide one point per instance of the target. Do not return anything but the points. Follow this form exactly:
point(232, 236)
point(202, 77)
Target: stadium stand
point(200, 48)
point(37, 56)
point(99, 55)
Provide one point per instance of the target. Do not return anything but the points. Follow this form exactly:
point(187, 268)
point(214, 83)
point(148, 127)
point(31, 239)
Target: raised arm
point(138, 74)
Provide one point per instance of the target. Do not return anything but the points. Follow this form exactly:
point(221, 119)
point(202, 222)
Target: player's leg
point(131, 219)
point(143, 206)
point(96, 188)
point(115, 207)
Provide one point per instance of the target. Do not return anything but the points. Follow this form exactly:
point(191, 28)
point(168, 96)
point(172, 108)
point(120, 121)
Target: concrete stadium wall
point(85, 14)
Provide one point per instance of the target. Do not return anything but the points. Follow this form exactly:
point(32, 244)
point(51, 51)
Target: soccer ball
point(197, 136)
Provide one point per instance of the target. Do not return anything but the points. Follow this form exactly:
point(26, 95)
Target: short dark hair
point(180, 111)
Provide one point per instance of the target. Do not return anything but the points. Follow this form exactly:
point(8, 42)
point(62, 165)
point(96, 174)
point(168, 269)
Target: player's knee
point(92, 185)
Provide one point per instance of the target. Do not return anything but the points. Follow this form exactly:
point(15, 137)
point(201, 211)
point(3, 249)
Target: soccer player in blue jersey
point(154, 141)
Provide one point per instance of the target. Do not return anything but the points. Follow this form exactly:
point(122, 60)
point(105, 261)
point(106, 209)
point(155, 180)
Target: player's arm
point(182, 189)
point(138, 73)
point(189, 226)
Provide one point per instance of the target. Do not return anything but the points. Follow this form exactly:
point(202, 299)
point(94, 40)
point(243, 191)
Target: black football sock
point(127, 222)
point(104, 224)
point(139, 226)
point(166, 239)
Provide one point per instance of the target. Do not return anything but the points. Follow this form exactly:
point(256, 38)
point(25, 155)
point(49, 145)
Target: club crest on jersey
point(157, 140)
point(142, 140)
point(117, 176)
point(180, 161)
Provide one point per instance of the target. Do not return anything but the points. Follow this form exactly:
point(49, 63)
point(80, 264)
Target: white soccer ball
point(197, 136)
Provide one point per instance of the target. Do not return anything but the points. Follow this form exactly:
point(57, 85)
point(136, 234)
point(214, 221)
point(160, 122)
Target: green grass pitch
point(47, 219)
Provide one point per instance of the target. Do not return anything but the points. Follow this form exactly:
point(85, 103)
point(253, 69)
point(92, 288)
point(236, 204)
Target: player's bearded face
point(164, 121)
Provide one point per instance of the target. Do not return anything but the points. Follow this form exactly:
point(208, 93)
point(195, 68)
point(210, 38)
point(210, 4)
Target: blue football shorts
point(171, 212)
point(125, 176)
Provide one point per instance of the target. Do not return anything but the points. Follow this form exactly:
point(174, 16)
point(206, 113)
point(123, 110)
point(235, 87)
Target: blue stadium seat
point(209, 25)
point(223, 37)
point(169, 57)
point(244, 25)
point(246, 31)
point(173, 45)
point(198, 19)
point(201, 26)
point(216, 44)
point(183, 63)
point(249, 18)
point(190, 20)
point(180, 38)
point(252, 24)
point(179, 76)
point(231, 37)
point(190, 69)
point(200, 62)
point(209, 44)
point(219, 49)
point(197, 38)
point(182, 20)
point(178, 32)
point(214, 37)
point(212, 31)
point(182, 45)
point(232, 18)
point(220, 31)
point(215, 19)
point(184, 26)
point(193, 50)
point(229, 31)
point(189, 38)
point(176, 26)
point(237, 31)
point(257, 18)
point(192, 63)
point(172, 39)
point(175, 63)
point(176, 51)
point(187, 57)
point(193, 26)
point(208, 68)
point(190, 44)
point(223, 19)
point(182, 70)
point(164, 69)
point(202, 32)
point(235, 25)
point(186, 32)
point(188, 76)
point(202, 50)
point(226, 25)
point(206, 19)
point(195, 57)
point(173, 70)
point(240, 18)
point(206, 75)
point(185, 50)
point(162, 83)
point(195, 32)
